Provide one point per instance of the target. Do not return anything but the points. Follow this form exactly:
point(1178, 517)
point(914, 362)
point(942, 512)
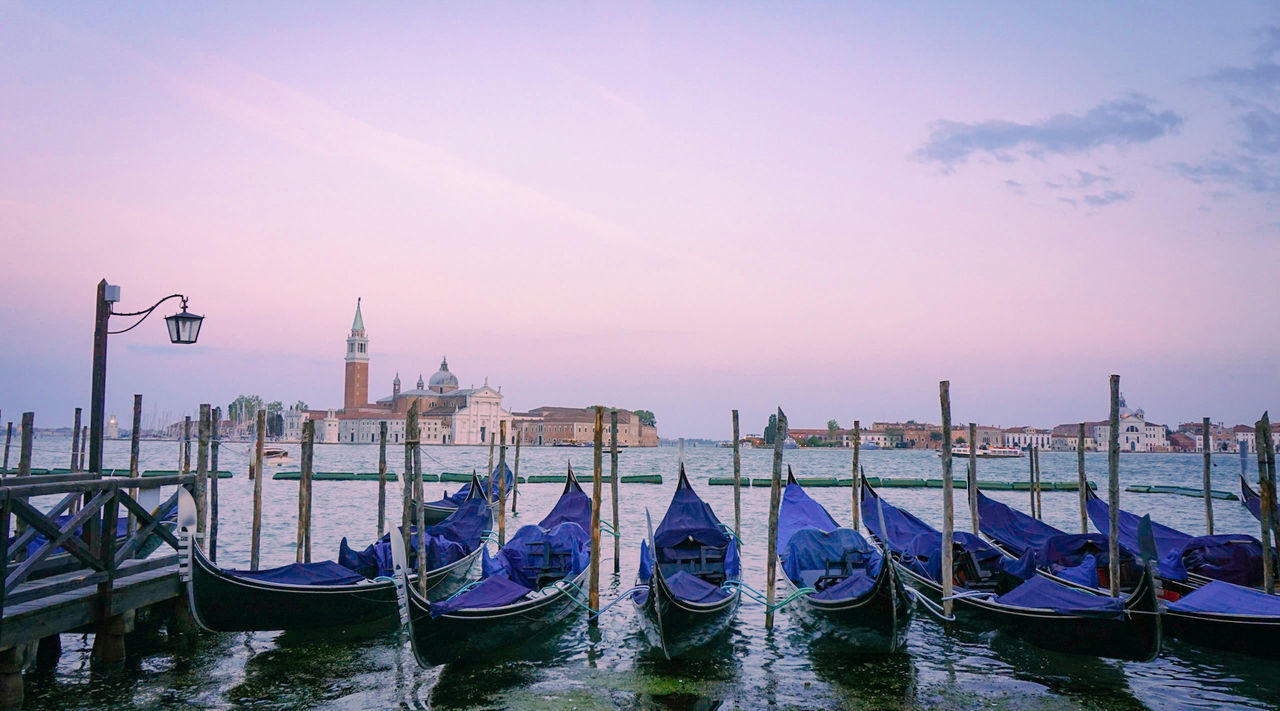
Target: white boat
point(986, 452)
point(275, 456)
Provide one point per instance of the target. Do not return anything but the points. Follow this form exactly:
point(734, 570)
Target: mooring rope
point(930, 606)
point(629, 593)
point(757, 596)
point(609, 529)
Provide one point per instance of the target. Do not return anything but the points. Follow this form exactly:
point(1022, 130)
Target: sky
point(682, 207)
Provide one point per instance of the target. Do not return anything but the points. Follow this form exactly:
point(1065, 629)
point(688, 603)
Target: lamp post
point(184, 327)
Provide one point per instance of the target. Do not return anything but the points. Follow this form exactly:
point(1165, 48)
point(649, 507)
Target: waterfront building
point(1027, 437)
point(576, 426)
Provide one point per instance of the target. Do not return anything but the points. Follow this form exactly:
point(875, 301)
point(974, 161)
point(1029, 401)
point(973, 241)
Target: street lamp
point(184, 327)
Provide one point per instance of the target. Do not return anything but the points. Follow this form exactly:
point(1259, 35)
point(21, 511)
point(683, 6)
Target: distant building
point(1027, 437)
point(576, 425)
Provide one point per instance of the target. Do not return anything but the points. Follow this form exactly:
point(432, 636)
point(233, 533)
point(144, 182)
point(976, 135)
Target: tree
point(832, 428)
point(814, 441)
point(935, 436)
point(646, 418)
point(274, 408)
point(300, 405)
point(771, 429)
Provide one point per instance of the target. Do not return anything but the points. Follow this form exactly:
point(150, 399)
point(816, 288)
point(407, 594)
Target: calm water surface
point(610, 666)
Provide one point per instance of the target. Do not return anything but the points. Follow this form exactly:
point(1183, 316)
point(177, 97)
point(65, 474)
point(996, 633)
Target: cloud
point(1261, 130)
point(1070, 201)
point(1108, 197)
point(1260, 77)
point(1113, 123)
point(1242, 171)
point(1270, 44)
point(1087, 178)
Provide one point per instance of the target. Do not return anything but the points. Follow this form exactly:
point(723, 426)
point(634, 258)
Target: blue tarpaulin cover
point(1235, 558)
point(1045, 594)
point(799, 511)
point(688, 518)
point(461, 494)
point(1055, 549)
point(691, 588)
point(322, 573)
point(448, 541)
point(814, 546)
point(1227, 599)
point(557, 547)
point(1084, 573)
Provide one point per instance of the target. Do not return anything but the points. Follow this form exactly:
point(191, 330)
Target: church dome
point(442, 379)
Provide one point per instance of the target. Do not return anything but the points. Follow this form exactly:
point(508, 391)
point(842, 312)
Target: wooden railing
point(88, 542)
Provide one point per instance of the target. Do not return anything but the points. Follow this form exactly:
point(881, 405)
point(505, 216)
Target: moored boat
point(989, 584)
point(440, 509)
point(530, 585)
point(690, 569)
point(275, 456)
point(961, 450)
point(857, 594)
point(305, 596)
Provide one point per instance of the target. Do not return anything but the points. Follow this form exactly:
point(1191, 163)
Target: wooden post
point(1208, 463)
point(11, 691)
point(303, 553)
point(1267, 492)
point(593, 597)
point(493, 436)
point(75, 443)
point(24, 454)
point(857, 488)
point(410, 434)
point(420, 496)
point(613, 488)
point(256, 540)
point(202, 473)
point(737, 480)
point(515, 489)
point(1113, 488)
point(1031, 480)
point(184, 451)
point(971, 478)
point(135, 450)
point(382, 478)
point(1082, 482)
point(84, 437)
point(502, 484)
point(775, 498)
point(8, 437)
point(213, 486)
point(1040, 488)
point(1271, 480)
point(948, 568)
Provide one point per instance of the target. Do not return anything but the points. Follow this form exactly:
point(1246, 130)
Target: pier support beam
point(49, 652)
point(181, 626)
point(108, 643)
point(10, 679)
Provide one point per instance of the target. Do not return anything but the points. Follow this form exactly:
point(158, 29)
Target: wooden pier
point(87, 558)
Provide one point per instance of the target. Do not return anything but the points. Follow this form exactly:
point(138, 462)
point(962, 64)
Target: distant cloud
point(1087, 178)
point(1108, 197)
point(1270, 44)
point(1261, 130)
point(1242, 171)
point(1116, 123)
point(1070, 201)
point(1260, 77)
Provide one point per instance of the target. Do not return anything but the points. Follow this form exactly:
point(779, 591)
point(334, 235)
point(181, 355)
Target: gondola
point(689, 568)
point(1079, 559)
point(1007, 591)
point(1251, 499)
point(305, 596)
point(858, 595)
point(1227, 616)
point(527, 587)
point(1190, 560)
point(440, 509)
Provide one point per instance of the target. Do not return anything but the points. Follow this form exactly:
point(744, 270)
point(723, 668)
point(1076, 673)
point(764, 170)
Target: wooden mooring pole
point(1082, 481)
point(256, 540)
point(593, 596)
point(737, 479)
point(303, 553)
point(8, 437)
point(1208, 488)
point(184, 450)
point(202, 474)
point(75, 443)
point(84, 438)
point(382, 478)
point(420, 497)
point(1035, 455)
point(971, 479)
point(406, 481)
point(213, 485)
point(775, 498)
point(135, 450)
point(515, 489)
point(1113, 489)
point(613, 488)
point(857, 484)
point(1267, 492)
point(502, 484)
point(948, 572)
point(1031, 480)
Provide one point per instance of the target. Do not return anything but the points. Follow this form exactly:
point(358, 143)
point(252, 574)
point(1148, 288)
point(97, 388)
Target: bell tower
point(355, 391)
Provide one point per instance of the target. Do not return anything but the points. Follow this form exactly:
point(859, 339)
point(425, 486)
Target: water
point(611, 666)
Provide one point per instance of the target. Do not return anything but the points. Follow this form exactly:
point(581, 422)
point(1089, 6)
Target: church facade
point(447, 414)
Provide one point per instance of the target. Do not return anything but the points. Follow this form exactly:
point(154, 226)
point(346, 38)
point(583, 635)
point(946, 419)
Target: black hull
point(875, 622)
point(676, 626)
point(226, 603)
point(1258, 637)
point(1136, 637)
point(435, 514)
point(466, 634)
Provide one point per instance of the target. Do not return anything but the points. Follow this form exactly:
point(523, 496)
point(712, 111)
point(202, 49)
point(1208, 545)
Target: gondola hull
point(675, 626)
point(468, 633)
point(1134, 637)
point(875, 622)
point(1258, 637)
point(433, 514)
point(222, 602)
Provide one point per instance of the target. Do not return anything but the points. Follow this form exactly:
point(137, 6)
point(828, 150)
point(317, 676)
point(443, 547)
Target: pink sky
point(682, 209)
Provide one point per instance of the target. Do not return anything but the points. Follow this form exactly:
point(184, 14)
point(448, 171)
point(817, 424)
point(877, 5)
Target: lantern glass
point(184, 327)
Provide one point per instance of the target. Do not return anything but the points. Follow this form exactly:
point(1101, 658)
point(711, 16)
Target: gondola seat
point(705, 562)
point(543, 564)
